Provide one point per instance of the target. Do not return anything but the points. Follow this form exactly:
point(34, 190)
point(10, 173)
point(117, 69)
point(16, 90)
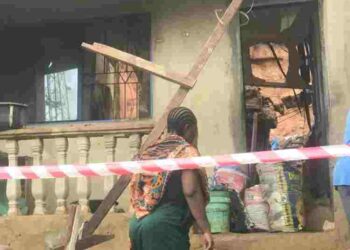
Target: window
point(113, 90)
point(61, 96)
point(72, 84)
point(60, 81)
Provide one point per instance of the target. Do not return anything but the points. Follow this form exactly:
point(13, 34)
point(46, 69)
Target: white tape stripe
point(337, 151)
point(100, 169)
point(205, 161)
point(291, 155)
point(131, 166)
point(70, 170)
point(246, 158)
point(167, 164)
point(15, 173)
point(41, 172)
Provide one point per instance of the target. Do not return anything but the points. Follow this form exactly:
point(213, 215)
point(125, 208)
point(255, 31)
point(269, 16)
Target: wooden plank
point(278, 85)
point(74, 235)
point(254, 140)
point(71, 215)
point(199, 64)
point(264, 3)
point(138, 62)
point(106, 205)
point(91, 241)
point(214, 39)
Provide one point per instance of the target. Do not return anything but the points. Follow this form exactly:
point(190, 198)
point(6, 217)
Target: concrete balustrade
point(33, 141)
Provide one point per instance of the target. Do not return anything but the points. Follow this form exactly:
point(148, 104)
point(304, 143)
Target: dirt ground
point(31, 232)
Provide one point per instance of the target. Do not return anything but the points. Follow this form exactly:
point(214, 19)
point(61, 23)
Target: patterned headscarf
point(147, 190)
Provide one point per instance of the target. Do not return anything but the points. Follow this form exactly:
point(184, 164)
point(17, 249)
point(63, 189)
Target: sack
point(283, 194)
point(232, 178)
point(239, 222)
point(257, 208)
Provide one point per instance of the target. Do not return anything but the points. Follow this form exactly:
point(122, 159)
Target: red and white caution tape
point(132, 167)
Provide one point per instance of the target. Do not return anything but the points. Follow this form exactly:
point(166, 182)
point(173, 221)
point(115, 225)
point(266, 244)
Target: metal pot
point(12, 115)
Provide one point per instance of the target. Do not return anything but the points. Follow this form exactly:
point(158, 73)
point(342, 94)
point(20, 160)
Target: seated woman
point(167, 203)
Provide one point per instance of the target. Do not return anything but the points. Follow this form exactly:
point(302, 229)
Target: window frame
point(61, 67)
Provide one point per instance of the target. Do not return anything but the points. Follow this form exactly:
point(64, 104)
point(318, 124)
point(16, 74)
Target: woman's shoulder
point(188, 151)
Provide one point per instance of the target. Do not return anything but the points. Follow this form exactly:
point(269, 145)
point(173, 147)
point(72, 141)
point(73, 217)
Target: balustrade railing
point(35, 138)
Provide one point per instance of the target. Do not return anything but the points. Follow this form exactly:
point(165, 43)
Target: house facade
point(109, 122)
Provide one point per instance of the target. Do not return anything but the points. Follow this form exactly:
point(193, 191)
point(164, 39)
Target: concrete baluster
point(13, 188)
point(61, 184)
point(38, 185)
point(83, 183)
point(110, 145)
point(134, 144)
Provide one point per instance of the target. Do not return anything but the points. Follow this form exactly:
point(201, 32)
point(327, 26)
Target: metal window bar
point(125, 76)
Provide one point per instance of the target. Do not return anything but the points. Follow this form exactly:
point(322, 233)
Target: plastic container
point(218, 211)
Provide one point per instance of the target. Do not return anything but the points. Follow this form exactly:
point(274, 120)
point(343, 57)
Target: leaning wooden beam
point(140, 63)
point(74, 224)
point(197, 67)
point(106, 205)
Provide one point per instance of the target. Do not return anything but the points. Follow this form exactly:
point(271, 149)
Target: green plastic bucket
point(218, 211)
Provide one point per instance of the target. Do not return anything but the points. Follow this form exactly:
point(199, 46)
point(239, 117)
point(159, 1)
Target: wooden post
point(251, 168)
point(74, 224)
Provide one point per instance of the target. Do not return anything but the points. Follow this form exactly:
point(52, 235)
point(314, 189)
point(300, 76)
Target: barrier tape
point(133, 167)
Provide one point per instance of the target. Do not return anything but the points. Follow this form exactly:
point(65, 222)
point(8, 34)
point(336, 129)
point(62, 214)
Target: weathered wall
point(179, 30)
point(336, 30)
point(335, 23)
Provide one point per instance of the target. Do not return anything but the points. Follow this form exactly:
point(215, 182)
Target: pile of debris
point(264, 110)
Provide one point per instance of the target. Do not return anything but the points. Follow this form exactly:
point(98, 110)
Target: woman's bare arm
point(194, 197)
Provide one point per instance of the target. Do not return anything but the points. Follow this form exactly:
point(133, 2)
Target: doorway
point(285, 100)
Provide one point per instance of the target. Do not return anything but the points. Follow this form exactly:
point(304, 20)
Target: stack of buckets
point(218, 211)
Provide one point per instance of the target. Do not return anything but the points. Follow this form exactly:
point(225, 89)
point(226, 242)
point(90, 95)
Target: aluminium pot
point(12, 115)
